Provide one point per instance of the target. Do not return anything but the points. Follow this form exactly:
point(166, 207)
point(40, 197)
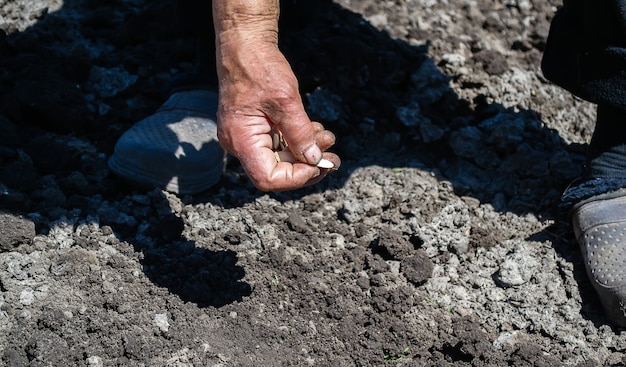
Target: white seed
point(286, 156)
point(325, 163)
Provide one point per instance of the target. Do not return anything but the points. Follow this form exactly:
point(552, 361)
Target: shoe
point(599, 224)
point(176, 148)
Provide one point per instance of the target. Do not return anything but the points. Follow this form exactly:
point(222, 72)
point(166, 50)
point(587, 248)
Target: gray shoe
point(176, 148)
point(600, 227)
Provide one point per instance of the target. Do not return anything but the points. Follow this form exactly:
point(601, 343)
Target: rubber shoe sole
point(176, 148)
point(600, 228)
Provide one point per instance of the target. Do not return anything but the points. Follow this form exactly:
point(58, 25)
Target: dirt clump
point(438, 242)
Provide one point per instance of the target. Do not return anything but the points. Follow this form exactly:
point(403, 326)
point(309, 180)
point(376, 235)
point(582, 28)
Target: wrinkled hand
point(259, 93)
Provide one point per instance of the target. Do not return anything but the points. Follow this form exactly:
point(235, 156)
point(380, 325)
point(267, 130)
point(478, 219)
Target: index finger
point(267, 174)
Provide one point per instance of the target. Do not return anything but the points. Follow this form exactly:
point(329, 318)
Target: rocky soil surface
point(437, 243)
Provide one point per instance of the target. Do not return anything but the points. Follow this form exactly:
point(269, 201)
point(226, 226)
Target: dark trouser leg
point(586, 50)
point(197, 22)
point(607, 151)
point(586, 54)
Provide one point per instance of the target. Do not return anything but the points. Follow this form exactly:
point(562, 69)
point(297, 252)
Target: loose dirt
point(438, 242)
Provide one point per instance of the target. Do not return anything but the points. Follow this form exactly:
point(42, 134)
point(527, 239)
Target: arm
point(258, 93)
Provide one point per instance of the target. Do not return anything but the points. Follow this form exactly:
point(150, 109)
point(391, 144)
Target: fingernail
point(313, 154)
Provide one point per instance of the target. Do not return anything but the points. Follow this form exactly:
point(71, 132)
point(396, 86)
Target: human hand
point(252, 109)
point(259, 96)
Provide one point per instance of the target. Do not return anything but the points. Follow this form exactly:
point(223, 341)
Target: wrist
point(246, 42)
point(242, 22)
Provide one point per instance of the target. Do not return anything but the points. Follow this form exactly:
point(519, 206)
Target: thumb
point(301, 137)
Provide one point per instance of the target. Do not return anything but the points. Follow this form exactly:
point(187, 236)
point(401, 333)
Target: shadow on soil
point(386, 100)
point(204, 277)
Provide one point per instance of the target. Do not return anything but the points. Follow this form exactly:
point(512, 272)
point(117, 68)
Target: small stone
point(94, 361)
point(160, 320)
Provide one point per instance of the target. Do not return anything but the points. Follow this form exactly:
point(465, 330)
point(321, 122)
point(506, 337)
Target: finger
point(325, 139)
point(267, 174)
point(334, 159)
point(301, 136)
point(318, 126)
point(290, 176)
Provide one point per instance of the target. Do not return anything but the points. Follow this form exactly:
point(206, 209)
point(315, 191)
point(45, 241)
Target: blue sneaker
point(176, 148)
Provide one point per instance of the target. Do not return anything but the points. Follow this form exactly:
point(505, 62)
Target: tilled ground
point(438, 242)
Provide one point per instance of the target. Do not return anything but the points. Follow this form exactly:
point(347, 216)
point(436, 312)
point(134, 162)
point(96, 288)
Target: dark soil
point(438, 242)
